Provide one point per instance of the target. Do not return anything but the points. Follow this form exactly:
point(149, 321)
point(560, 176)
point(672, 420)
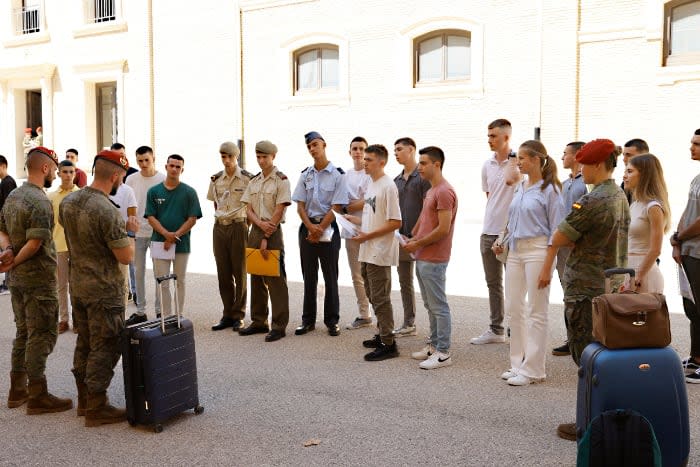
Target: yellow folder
point(257, 265)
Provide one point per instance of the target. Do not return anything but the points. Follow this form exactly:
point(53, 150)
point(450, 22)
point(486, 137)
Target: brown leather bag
point(631, 319)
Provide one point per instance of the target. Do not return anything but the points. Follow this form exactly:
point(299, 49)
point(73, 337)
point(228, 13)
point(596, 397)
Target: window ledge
point(94, 29)
point(444, 91)
point(308, 100)
point(27, 39)
point(670, 75)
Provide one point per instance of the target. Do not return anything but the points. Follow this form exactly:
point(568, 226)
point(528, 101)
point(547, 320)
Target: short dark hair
point(697, 132)
point(434, 153)
point(65, 163)
point(3, 160)
point(379, 150)
point(358, 139)
point(141, 150)
point(639, 144)
point(500, 123)
point(405, 141)
point(74, 151)
point(177, 157)
point(576, 145)
point(117, 146)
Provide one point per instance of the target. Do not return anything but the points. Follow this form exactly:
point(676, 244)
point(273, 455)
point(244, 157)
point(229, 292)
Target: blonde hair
point(651, 185)
point(534, 148)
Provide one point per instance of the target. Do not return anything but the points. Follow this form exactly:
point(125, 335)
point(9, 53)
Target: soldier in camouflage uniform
point(230, 236)
point(97, 241)
point(28, 253)
point(596, 228)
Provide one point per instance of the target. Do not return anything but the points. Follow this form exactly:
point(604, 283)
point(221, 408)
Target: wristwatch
point(345, 210)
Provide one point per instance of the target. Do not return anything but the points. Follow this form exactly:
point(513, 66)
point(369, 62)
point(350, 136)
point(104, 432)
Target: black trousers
point(327, 254)
point(692, 310)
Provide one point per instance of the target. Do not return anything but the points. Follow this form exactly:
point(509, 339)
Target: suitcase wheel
point(198, 410)
point(158, 428)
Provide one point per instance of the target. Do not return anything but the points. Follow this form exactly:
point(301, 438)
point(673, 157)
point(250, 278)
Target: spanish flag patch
point(576, 206)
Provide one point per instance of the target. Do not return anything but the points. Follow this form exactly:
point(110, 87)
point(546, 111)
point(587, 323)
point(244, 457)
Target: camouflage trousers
point(36, 318)
point(579, 326)
point(99, 322)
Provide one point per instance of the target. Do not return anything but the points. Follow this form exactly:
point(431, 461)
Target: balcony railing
point(27, 19)
point(103, 10)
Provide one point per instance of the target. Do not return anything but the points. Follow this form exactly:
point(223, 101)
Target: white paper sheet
point(158, 251)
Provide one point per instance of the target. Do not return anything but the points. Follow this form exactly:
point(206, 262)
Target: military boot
point(41, 401)
point(82, 398)
point(100, 412)
point(18, 389)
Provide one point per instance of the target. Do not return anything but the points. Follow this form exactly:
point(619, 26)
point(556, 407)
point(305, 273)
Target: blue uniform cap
point(312, 135)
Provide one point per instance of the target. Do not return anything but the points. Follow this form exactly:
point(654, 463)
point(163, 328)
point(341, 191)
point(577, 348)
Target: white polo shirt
point(500, 195)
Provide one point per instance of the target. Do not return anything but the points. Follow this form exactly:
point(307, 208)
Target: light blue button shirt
point(571, 190)
point(321, 189)
point(533, 212)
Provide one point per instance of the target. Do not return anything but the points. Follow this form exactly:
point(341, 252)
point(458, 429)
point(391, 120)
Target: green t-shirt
point(172, 208)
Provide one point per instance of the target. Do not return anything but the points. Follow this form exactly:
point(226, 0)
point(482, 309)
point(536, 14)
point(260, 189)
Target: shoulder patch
point(304, 171)
point(281, 175)
point(340, 170)
point(247, 174)
point(216, 176)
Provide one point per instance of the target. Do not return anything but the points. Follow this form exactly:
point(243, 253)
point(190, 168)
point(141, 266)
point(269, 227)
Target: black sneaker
point(562, 350)
point(693, 377)
point(135, 318)
point(372, 343)
point(383, 352)
point(689, 365)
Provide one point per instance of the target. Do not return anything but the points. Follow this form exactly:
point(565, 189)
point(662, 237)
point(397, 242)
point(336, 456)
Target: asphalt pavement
point(313, 400)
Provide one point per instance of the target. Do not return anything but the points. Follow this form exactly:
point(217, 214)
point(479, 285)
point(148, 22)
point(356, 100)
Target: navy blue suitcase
point(160, 369)
point(648, 380)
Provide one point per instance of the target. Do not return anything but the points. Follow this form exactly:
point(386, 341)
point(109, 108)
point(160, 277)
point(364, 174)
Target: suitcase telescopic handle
point(159, 281)
point(613, 271)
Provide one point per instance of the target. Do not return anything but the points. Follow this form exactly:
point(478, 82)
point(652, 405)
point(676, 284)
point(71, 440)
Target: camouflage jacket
point(27, 214)
point(598, 225)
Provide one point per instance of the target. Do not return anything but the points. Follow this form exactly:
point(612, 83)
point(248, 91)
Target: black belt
point(316, 220)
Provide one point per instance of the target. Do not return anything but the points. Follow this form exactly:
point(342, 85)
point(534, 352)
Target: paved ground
point(263, 401)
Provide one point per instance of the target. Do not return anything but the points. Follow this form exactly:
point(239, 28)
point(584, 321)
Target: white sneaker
point(436, 360)
point(488, 337)
point(522, 380)
point(509, 374)
point(404, 331)
point(424, 353)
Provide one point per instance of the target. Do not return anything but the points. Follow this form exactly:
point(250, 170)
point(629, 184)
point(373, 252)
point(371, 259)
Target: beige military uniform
point(230, 238)
point(263, 195)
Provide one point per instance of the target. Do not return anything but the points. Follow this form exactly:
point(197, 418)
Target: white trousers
point(527, 306)
point(179, 267)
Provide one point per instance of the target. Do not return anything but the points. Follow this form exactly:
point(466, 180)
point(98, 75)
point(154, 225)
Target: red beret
point(596, 151)
point(45, 151)
point(114, 157)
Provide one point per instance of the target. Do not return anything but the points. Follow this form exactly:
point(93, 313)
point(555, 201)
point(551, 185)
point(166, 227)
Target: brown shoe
point(18, 389)
point(82, 398)
point(567, 431)
point(41, 401)
point(100, 412)
point(62, 327)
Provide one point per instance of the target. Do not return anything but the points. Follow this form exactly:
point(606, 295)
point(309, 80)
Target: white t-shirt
point(381, 204)
point(125, 199)
point(141, 185)
point(500, 195)
point(357, 182)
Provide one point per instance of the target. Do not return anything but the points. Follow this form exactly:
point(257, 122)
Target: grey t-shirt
point(691, 247)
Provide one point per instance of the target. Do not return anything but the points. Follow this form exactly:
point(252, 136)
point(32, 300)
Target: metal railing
point(27, 19)
point(103, 10)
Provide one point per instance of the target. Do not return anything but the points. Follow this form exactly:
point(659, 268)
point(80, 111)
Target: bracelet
point(675, 238)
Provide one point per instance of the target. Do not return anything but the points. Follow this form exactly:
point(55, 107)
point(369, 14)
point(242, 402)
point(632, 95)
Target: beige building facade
point(184, 76)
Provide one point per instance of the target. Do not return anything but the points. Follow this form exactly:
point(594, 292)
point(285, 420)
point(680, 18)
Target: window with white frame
point(682, 32)
point(442, 57)
point(27, 16)
point(107, 122)
point(316, 69)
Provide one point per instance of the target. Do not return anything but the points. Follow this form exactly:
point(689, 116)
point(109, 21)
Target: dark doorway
point(33, 108)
